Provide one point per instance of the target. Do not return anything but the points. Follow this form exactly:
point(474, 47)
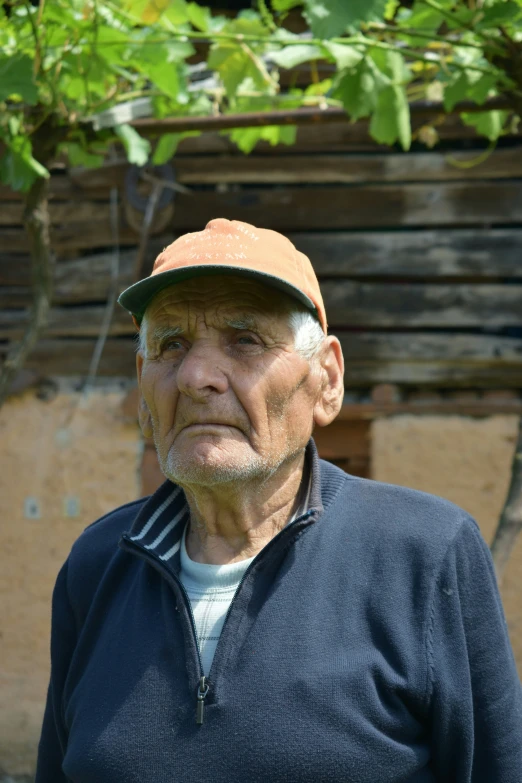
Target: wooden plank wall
point(419, 259)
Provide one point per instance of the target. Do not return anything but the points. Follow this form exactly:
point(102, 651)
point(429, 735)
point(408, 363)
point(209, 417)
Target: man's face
point(228, 396)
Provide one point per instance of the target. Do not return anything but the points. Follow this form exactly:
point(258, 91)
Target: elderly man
point(265, 616)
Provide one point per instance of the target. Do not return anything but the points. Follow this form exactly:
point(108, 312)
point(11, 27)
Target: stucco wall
point(465, 460)
point(94, 463)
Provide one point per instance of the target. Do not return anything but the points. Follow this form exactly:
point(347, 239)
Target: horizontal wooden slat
point(294, 209)
point(320, 168)
point(288, 169)
point(68, 322)
point(441, 360)
point(348, 304)
point(493, 350)
point(418, 253)
point(336, 137)
point(436, 374)
point(73, 357)
point(407, 359)
point(81, 211)
point(415, 305)
point(85, 279)
point(478, 253)
point(15, 269)
point(343, 168)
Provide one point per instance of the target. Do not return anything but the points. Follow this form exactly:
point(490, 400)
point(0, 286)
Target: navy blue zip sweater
point(365, 644)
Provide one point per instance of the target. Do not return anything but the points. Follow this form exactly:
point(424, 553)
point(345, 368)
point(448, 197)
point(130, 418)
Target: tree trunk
point(36, 221)
point(510, 522)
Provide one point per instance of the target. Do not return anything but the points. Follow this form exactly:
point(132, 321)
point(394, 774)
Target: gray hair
point(307, 331)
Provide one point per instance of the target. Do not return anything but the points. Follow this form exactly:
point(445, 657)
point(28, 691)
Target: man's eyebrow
point(244, 322)
point(160, 333)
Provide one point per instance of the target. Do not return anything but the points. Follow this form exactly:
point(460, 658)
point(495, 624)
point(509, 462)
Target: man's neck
point(229, 524)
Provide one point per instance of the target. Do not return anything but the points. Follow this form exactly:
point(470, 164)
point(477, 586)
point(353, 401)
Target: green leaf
point(16, 78)
point(291, 56)
point(112, 44)
point(488, 123)
point(469, 85)
point(390, 9)
point(421, 17)
point(166, 78)
point(460, 19)
point(234, 64)
point(79, 156)
point(247, 22)
point(199, 16)
point(285, 5)
point(247, 138)
point(358, 89)
point(455, 91)
point(391, 119)
point(391, 64)
point(345, 56)
point(318, 88)
point(136, 147)
point(18, 168)
point(177, 12)
point(159, 62)
point(153, 10)
point(165, 148)
point(499, 13)
point(480, 88)
point(330, 18)
point(168, 145)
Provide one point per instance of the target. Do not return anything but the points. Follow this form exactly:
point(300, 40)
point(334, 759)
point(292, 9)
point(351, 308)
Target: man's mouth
point(209, 425)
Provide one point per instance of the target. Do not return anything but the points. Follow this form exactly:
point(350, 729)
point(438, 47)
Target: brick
point(424, 396)
point(500, 395)
point(385, 393)
point(463, 395)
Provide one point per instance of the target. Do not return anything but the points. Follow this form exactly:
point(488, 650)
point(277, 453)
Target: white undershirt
point(211, 588)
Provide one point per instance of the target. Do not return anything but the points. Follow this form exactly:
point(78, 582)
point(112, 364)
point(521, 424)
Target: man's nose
point(199, 374)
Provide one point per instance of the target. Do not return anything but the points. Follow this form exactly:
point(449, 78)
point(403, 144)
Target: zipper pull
point(200, 704)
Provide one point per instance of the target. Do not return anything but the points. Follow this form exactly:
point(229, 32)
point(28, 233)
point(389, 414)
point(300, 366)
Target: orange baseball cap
point(230, 247)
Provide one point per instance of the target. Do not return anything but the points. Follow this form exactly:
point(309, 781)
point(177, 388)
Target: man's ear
point(144, 417)
point(331, 394)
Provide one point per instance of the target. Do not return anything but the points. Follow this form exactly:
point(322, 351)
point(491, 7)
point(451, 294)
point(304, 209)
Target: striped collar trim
point(159, 526)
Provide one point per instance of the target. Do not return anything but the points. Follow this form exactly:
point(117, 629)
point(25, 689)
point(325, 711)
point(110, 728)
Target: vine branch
point(36, 221)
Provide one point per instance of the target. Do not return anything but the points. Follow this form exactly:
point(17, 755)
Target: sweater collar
point(159, 526)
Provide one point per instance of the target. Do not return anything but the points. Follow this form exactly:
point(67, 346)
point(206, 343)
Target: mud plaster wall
point(465, 460)
point(95, 463)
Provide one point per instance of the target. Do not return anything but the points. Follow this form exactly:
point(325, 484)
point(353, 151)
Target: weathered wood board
point(305, 169)
point(475, 253)
point(482, 204)
point(335, 137)
point(465, 254)
point(350, 303)
point(404, 246)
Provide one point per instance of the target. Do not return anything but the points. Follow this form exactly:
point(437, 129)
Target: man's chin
point(210, 465)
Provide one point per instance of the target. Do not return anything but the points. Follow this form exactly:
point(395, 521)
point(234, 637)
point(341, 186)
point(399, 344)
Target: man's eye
point(172, 345)
point(247, 340)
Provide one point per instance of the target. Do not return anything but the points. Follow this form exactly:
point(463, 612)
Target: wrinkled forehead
point(217, 298)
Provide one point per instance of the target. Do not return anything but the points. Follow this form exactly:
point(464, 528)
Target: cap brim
point(136, 298)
